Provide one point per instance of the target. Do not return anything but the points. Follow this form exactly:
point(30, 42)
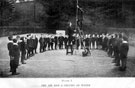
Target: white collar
point(10, 41)
point(19, 40)
point(125, 42)
point(15, 44)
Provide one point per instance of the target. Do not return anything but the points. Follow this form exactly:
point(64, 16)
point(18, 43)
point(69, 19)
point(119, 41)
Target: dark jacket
point(35, 42)
point(30, 43)
point(93, 39)
point(86, 42)
point(124, 50)
point(23, 47)
point(55, 40)
point(16, 54)
point(10, 48)
point(41, 41)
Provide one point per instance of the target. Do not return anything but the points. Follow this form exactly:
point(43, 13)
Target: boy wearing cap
point(10, 49)
point(16, 55)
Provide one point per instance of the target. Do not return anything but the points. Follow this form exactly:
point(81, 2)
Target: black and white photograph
point(67, 39)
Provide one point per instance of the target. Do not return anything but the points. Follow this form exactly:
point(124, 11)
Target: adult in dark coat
point(10, 49)
point(16, 55)
point(70, 32)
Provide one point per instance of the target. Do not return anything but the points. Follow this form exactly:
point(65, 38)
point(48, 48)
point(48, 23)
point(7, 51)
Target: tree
point(6, 12)
point(57, 13)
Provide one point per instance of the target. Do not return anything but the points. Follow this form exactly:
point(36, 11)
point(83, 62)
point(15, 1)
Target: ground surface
point(57, 64)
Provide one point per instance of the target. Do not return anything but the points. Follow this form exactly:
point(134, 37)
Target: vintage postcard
point(67, 43)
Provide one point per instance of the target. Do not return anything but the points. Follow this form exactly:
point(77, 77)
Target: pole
point(76, 24)
point(76, 14)
point(78, 28)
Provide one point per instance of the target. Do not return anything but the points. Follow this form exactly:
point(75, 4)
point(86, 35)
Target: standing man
point(69, 32)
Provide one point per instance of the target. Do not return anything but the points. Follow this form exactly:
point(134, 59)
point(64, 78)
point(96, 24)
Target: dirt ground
point(56, 63)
